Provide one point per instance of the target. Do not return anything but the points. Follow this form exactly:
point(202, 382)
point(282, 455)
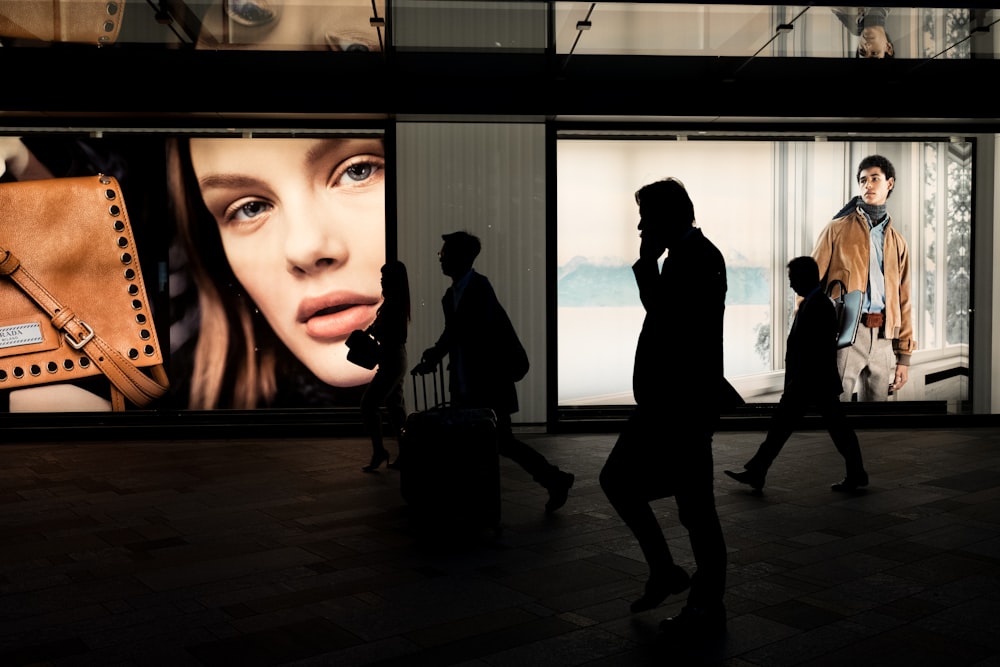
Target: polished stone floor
point(281, 552)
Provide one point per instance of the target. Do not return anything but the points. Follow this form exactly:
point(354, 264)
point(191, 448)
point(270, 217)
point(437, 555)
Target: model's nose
point(313, 241)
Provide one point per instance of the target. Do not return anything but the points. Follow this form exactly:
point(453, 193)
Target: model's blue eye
point(349, 42)
point(253, 209)
point(360, 171)
point(246, 212)
point(253, 12)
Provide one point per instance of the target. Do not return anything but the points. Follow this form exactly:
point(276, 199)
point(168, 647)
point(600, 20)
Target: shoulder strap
point(840, 284)
point(125, 376)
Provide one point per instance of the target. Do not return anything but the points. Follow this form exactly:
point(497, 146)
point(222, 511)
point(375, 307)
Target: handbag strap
point(127, 380)
point(839, 283)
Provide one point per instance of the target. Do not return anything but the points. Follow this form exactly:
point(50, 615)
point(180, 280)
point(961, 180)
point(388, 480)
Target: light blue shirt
point(875, 293)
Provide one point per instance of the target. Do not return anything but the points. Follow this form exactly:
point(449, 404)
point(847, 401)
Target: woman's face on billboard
point(302, 222)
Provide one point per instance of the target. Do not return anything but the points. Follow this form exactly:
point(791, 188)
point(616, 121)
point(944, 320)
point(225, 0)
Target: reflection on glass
point(96, 22)
point(769, 30)
point(293, 25)
point(664, 29)
point(868, 24)
point(514, 26)
point(253, 13)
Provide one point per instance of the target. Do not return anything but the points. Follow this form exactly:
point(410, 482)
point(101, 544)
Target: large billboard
point(762, 202)
point(258, 257)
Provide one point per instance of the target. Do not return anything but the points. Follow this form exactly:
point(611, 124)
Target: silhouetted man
point(811, 378)
point(666, 447)
point(861, 248)
point(482, 370)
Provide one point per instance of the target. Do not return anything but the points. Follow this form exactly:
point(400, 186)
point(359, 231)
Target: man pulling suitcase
point(486, 359)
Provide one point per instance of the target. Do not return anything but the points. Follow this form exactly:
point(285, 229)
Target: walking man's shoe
point(754, 479)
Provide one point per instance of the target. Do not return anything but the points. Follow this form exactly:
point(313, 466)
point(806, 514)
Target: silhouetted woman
point(389, 329)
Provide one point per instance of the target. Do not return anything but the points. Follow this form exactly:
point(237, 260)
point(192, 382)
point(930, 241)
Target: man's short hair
point(667, 195)
point(804, 268)
point(464, 245)
point(890, 51)
point(880, 162)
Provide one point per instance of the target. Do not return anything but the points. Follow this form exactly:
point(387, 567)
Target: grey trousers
point(868, 367)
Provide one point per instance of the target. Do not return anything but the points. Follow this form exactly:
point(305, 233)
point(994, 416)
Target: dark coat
point(678, 359)
point(476, 339)
point(811, 351)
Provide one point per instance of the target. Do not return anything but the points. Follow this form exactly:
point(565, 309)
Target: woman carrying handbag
point(389, 330)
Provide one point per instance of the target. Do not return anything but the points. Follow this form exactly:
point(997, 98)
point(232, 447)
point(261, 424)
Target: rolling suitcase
point(450, 467)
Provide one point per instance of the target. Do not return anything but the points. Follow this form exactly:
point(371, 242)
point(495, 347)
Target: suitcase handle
point(437, 384)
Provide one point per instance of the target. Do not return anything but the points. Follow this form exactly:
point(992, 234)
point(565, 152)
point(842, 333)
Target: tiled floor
point(266, 552)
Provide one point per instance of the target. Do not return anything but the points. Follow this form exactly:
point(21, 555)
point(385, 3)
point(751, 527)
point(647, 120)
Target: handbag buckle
point(86, 339)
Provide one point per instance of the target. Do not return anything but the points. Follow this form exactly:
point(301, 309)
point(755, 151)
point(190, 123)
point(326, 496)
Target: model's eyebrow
point(229, 181)
point(340, 148)
point(317, 153)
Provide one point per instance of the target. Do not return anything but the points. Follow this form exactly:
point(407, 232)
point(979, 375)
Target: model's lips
point(337, 314)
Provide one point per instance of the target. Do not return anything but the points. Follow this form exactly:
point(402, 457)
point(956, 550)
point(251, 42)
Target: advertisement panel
point(251, 261)
point(762, 202)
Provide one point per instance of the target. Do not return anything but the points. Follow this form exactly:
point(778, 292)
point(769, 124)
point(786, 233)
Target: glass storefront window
point(762, 202)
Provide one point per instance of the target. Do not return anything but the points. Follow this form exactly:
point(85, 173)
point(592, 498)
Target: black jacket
point(678, 359)
point(476, 340)
point(811, 351)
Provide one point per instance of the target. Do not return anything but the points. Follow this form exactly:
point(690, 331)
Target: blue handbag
point(848, 305)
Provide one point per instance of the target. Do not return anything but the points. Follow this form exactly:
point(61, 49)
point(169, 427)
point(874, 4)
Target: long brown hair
point(236, 351)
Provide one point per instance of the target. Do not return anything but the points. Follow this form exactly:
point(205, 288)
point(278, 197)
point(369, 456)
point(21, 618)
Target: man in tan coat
point(861, 248)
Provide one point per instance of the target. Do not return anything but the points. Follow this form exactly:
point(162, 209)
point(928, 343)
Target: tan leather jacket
point(842, 252)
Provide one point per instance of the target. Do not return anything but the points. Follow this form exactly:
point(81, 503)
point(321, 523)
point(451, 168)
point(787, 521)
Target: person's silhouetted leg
point(788, 412)
point(704, 615)
point(372, 420)
point(396, 407)
point(625, 480)
point(557, 482)
point(385, 387)
point(846, 442)
point(696, 511)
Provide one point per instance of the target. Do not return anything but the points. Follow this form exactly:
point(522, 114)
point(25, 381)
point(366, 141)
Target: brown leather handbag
point(78, 21)
point(73, 303)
